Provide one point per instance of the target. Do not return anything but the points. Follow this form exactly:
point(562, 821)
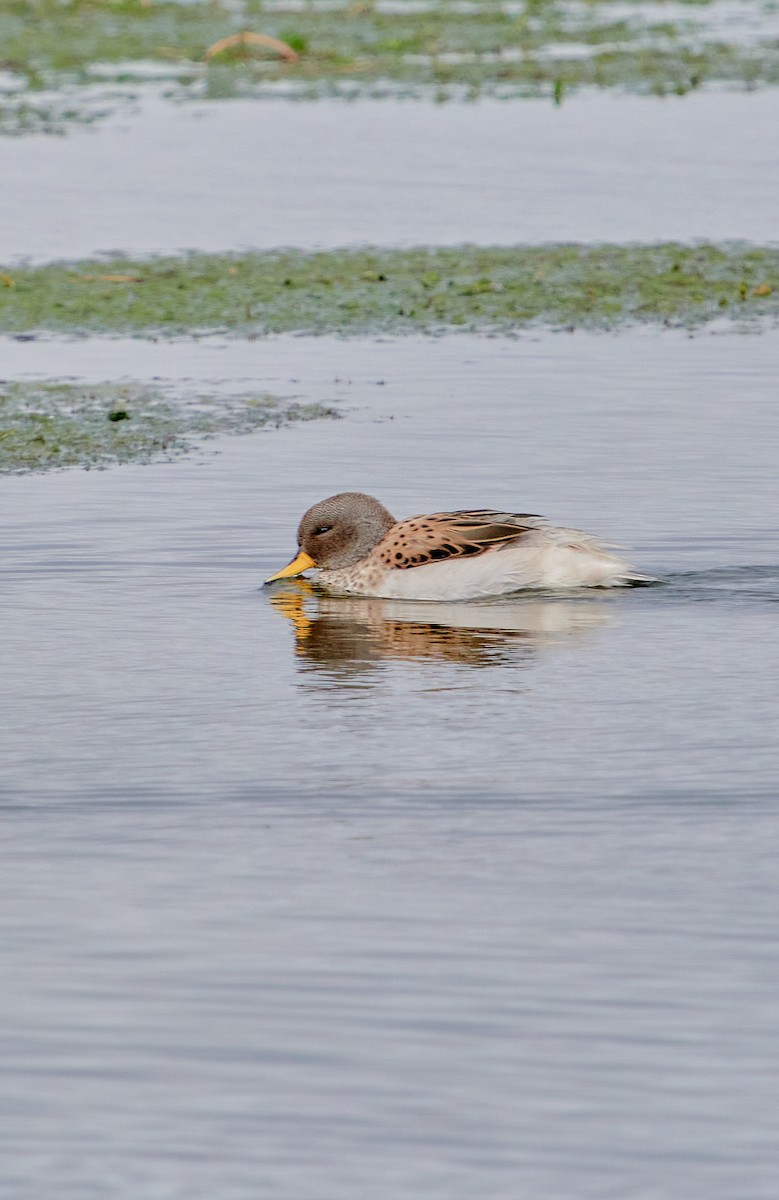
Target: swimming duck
point(360, 549)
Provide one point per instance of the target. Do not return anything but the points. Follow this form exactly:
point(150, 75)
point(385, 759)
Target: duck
point(360, 549)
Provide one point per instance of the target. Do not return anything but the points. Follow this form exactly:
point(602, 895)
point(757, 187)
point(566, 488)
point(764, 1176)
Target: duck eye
point(322, 529)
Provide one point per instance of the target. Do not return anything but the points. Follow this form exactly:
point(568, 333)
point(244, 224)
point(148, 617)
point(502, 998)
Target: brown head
point(338, 532)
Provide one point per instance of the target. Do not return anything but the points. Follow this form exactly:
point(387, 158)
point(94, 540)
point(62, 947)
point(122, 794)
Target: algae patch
point(44, 426)
point(510, 48)
point(396, 291)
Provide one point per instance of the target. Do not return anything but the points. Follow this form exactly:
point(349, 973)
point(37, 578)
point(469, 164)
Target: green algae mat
point(213, 49)
point(354, 292)
point(44, 426)
point(360, 292)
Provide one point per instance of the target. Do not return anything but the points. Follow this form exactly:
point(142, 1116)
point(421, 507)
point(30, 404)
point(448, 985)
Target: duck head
point(338, 532)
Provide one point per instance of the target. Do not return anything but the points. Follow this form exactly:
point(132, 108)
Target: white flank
point(549, 558)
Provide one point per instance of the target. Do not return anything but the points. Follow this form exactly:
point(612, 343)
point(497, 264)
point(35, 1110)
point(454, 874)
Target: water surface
point(307, 897)
point(237, 174)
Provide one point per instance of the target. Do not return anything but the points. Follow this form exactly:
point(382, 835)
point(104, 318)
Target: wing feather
point(439, 536)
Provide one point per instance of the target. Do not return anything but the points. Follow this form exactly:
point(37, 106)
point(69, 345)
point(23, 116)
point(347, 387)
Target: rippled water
point(310, 898)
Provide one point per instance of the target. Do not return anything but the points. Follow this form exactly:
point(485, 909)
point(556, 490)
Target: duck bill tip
point(303, 562)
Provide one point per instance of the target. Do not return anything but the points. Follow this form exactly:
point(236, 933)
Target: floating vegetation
point(398, 291)
point(50, 425)
point(519, 47)
point(246, 44)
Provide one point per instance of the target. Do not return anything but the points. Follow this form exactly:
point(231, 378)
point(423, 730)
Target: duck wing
point(438, 536)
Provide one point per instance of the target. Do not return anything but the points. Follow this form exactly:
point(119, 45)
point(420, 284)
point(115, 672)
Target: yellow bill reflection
point(357, 632)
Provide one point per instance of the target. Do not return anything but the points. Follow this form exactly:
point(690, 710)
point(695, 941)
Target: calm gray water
point(234, 174)
point(306, 898)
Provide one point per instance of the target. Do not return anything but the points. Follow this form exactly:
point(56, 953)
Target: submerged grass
point(399, 291)
point(44, 426)
point(535, 46)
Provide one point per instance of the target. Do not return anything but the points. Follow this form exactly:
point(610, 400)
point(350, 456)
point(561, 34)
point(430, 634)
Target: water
point(305, 897)
point(235, 174)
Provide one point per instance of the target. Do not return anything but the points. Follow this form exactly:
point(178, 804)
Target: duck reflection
point(348, 635)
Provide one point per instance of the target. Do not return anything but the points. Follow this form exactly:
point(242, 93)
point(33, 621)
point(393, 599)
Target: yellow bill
point(303, 562)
